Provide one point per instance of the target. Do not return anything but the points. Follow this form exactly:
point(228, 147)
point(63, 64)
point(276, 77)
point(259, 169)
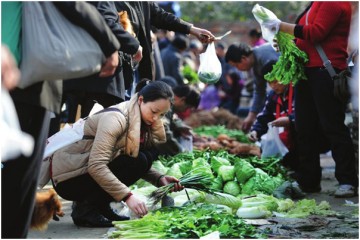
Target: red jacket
point(328, 25)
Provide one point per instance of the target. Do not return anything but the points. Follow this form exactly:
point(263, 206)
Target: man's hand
point(281, 122)
point(10, 74)
point(137, 206)
point(110, 65)
point(138, 55)
point(203, 35)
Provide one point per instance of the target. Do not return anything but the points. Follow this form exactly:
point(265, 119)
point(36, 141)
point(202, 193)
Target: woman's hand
point(281, 122)
point(137, 206)
point(165, 180)
point(253, 136)
point(110, 65)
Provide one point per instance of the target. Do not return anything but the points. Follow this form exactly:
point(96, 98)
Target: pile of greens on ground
point(231, 174)
point(215, 131)
point(191, 221)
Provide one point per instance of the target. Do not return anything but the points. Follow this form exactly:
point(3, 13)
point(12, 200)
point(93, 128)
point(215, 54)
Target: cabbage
point(217, 184)
point(232, 188)
point(285, 205)
point(243, 170)
point(224, 199)
point(157, 165)
point(261, 182)
point(201, 166)
point(227, 173)
point(269, 202)
point(217, 162)
point(253, 212)
point(185, 167)
point(175, 171)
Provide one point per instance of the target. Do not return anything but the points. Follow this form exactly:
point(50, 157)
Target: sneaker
point(112, 214)
point(345, 190)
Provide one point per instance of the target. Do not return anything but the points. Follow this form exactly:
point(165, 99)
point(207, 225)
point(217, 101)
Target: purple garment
point(209, 98)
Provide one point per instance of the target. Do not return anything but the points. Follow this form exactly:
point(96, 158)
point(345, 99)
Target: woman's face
point(153, 111)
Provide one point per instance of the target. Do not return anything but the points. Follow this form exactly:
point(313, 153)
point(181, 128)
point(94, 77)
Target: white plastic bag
point(262, 15)
point(210, 67)
point(67, 135)
point(54, 48)
point(271, 144)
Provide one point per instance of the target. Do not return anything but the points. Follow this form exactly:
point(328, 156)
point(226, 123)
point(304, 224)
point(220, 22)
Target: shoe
point(111, 214)
point(344, 191)
point(86, 215)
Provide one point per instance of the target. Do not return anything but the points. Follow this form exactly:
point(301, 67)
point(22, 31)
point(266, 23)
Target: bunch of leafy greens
point(290, 66)
point(191, 221)
point(190, 75)
point(197, 181)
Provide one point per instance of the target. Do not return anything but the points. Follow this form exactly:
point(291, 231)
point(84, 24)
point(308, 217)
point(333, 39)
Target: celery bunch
point(290, 66)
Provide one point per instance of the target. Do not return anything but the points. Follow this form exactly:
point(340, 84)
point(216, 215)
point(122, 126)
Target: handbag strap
point(320, 50)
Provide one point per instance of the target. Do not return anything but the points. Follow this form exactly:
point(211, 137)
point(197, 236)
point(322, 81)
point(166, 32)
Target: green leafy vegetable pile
point(290, 66)
point(215, 131)
point(191, 221)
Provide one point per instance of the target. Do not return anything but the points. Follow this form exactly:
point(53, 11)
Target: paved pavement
point(66, 229)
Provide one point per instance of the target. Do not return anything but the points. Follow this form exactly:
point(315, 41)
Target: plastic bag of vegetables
point(263, 15)
point(210, 66)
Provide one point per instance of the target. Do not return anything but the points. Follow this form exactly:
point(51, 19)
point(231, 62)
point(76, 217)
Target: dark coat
point(114, 85)
point(143, 16)
point(48, 94)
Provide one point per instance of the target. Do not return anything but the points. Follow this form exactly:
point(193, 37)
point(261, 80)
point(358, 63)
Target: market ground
point(344, 225)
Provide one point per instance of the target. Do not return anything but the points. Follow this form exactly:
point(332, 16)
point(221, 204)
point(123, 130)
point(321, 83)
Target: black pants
point(317, 107)
point(19, 177)
point(84, 188)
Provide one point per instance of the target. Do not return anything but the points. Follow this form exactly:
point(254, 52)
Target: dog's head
point(126, 23)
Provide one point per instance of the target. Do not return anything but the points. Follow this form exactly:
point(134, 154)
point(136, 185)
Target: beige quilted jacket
point(115, 133)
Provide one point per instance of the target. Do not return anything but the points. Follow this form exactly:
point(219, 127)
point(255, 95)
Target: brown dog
point(125, 22)
point(47, 206)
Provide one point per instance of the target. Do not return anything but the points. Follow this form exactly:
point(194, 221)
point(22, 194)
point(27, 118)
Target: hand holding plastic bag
point(210, 66)
point(268, 21)
point(271, 144)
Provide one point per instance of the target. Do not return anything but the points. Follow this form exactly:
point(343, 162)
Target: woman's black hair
point(154, 90)
point(192, 96)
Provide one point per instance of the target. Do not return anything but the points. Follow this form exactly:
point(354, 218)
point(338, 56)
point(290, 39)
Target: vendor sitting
point(178, 134)
point(279, 112)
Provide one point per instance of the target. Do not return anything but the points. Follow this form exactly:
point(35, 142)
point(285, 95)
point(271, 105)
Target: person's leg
point(19, 177)
point(331, 113)
point(306, 122)
point(103, 99)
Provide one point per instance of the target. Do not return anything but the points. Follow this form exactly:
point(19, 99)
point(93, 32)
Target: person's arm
point(266, 116)
point(165, 20)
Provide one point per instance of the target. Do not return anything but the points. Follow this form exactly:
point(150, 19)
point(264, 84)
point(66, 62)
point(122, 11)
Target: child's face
point(153, 111)
point(277, 87)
